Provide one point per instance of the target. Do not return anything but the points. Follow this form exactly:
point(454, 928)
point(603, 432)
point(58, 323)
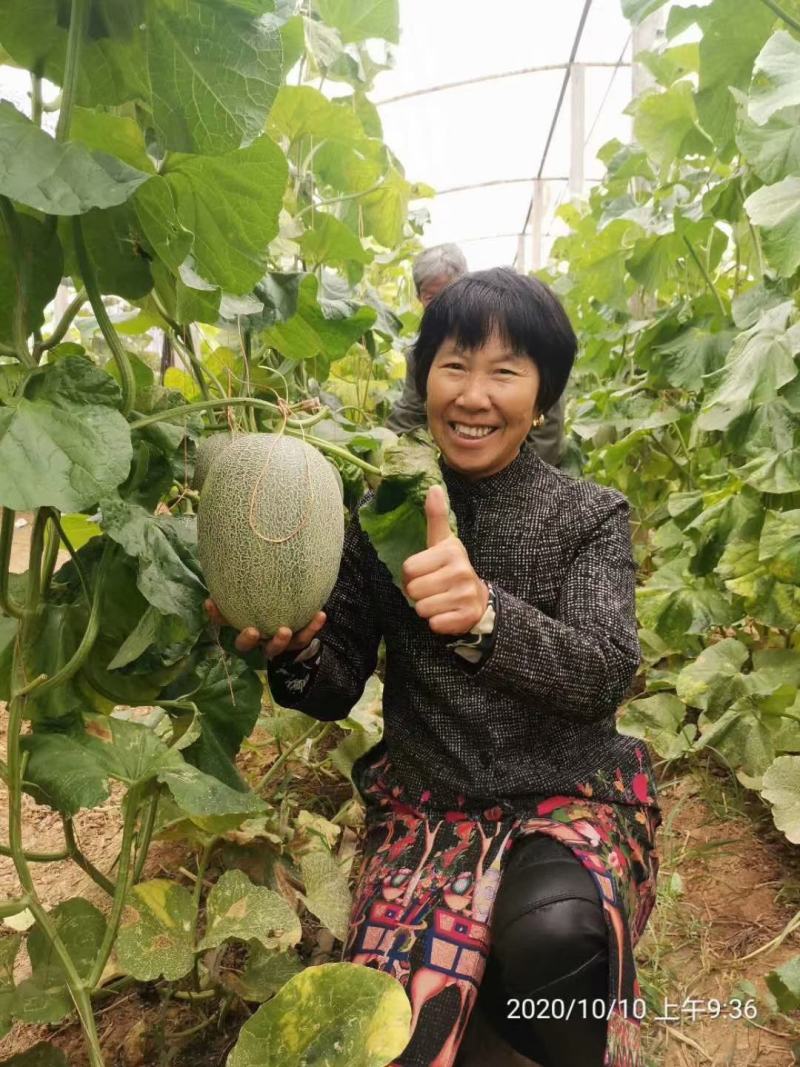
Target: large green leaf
point(776, 209)
point(62, 773)
point(683, 362)
point(230, 203)
point(227, 695)
point(319, 327)
point(63, 443)
point(780, 545)
point(113, 68)
point(42, 261)
point(659, 719)
point(732, 37)
point(638, 10)
point(300, 111)
point(59, 179)
point(776, 77)
point(357, 20)
point(214, 72)
point(165, 548)
point(111, 238)
point(330, 242)
point(239, 909)
point(772, 150)
point(266, 971)
point(339, 1014)
point(385, 210)
point(665, 123)
point(675, 605)
point(760, 362)
point(114, 135)
point(714, 679)
point(155, 935)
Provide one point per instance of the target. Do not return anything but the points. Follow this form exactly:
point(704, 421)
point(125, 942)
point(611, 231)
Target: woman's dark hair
point(524, 311)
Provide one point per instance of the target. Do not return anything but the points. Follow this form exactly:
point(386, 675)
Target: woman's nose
point(474, 393)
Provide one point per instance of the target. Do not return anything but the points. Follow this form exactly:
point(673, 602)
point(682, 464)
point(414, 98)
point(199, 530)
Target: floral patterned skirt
point(425, 890)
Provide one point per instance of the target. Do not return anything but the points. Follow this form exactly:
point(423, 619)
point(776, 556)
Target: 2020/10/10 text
point(637, 1008)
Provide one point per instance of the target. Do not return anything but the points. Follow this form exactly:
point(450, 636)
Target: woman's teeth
point(472, 431)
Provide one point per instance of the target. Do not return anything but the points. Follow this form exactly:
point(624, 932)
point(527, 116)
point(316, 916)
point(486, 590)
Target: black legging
point(549, 942)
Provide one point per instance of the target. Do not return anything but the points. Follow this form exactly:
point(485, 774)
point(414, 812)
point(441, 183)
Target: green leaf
point(732, 38)
point(155, 934)
point(165, 547)
point(231, 205)
point(319, 326)
point(781, 788)
point(114, 135)
point(684, 361)
point(339, 1014)
point(62, 773)
point(332, 243)
point(675, 605)
point(214, 72)
point(158, 218)
point(301, 111)
point(772, 150)
point(43, 260)
point(780, 545)
point(237, 908)
point(784, 983)
point(659, 719)
point(227, 695)
point(665, 123)
point(63, 443)
point(202, 797)
point(327, 894)
point(59, 179)
point(358, 20)
point(760, 362)
point(42, 1054)
point(265, 972)
point(44, 998)
point(776, 77)
point(394, 518)
point(776, 209)
point(112, 241)
point(384, 211)
point(714, 680)
point(743, 735)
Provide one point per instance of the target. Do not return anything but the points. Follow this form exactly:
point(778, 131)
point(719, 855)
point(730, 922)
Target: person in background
point(433, 270)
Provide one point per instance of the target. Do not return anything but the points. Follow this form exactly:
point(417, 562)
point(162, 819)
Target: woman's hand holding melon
point(283, 641)
point(441, 580)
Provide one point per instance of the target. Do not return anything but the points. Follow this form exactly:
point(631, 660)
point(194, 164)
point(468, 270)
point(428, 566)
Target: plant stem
point(81, 653)
point(16, 710)
point(86, 268)
point(7, 603)
point(79, 20)
point(57, 336)
point(82, 861)
point(202, 405)
point(707, 276)
point(37, 857)
point(145, 835)
point(20, 263)
point(202, 867)
point(782, 14)
point(36, 97)
point(281, 760)
point(130, 809)
point(50, 557)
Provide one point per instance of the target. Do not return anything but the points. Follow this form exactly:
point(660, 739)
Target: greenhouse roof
point(467, 111)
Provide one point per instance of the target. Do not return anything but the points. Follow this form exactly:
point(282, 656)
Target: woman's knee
point(549, 944)
point(548, 923)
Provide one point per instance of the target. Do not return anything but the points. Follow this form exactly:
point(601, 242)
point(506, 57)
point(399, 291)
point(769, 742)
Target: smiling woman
point(495, 348)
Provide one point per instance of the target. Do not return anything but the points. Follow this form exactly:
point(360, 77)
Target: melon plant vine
point(681, 273)
point(249, 220)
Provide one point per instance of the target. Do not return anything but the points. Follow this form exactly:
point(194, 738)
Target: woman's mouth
point(471, 432)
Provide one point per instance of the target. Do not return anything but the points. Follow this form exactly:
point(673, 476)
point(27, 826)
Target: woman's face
point(481, 403)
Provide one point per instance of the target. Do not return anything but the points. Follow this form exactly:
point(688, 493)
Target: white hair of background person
point(440, 261)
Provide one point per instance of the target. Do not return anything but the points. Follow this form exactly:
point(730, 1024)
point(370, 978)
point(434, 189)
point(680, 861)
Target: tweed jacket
point(534, 717)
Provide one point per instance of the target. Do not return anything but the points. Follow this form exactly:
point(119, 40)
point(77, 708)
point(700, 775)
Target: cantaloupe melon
point(270, 529)
point(207, 451)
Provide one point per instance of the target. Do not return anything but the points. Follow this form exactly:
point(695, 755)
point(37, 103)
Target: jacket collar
point(525, 467)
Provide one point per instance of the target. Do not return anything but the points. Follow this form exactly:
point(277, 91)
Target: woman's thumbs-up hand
point(441, 580)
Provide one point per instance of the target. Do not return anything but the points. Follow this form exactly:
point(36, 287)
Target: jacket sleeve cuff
point(475, 645)
point(292, 673)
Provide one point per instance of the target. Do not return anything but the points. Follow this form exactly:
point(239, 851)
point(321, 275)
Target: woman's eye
point(507, 370)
